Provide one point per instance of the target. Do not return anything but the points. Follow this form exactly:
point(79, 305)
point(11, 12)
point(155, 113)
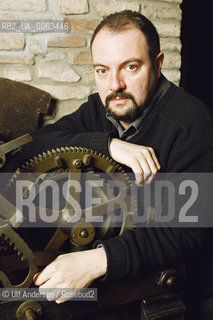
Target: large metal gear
point(76, 162)
point(66, 164)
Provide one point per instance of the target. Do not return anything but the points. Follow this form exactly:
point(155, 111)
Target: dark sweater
point(180, 130)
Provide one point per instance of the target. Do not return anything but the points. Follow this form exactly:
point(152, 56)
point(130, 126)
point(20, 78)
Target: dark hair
point(122, 20)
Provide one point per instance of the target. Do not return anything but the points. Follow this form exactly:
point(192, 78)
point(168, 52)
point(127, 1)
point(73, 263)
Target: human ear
point(158, 63)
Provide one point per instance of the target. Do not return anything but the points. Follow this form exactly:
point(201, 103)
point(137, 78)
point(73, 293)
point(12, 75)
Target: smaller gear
point(11, 238)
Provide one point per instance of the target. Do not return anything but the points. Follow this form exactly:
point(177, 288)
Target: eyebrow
point(99, 65)
point(139, 61)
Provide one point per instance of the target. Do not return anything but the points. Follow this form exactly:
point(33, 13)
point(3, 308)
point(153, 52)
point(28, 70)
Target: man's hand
point(76, 270)
point(142, 160)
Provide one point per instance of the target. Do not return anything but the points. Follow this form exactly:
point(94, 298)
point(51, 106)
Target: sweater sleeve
point(87, 127)
point(138, 252)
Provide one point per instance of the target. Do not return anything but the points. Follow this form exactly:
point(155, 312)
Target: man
point(146, 123)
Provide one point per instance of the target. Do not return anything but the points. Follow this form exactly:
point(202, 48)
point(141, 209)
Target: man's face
point(125, 76)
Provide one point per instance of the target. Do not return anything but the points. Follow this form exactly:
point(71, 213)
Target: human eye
point(101, 71)
point(132, 67)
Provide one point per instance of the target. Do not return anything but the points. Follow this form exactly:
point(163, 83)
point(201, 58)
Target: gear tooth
point(63, 149)
point(49, 153)
point(130, 184)
point(67, 148)
point(58, 150)
point(53, 151)
point(31, 163)
point(19, 252)
point(114, 165)
point(15, 176)
point(103, 156)
point(44, 155)
point(127, 178)
point(110, 169)
point(40, 157)
point(6, 237)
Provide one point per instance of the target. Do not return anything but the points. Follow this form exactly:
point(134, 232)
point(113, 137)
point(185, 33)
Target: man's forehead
point(127, 43)
point(106, 33)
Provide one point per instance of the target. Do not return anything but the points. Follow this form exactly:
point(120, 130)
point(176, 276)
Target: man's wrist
point(100, 261)
point(109, 145)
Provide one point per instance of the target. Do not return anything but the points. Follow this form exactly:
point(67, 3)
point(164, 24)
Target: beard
point(132, 114)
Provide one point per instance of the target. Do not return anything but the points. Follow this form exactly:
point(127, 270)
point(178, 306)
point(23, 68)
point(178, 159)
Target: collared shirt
point(135, 126)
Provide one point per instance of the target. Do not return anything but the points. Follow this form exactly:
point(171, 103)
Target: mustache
point(119, 94)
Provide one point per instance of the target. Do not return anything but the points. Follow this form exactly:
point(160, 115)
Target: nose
point(117, 82)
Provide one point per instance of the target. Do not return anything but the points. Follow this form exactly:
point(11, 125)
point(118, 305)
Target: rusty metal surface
point(20, 108)
point(12, 145)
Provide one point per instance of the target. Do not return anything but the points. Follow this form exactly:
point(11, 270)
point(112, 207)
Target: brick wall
point(60, 63)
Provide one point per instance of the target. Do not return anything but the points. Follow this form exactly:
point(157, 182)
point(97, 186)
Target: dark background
point(197, 50)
